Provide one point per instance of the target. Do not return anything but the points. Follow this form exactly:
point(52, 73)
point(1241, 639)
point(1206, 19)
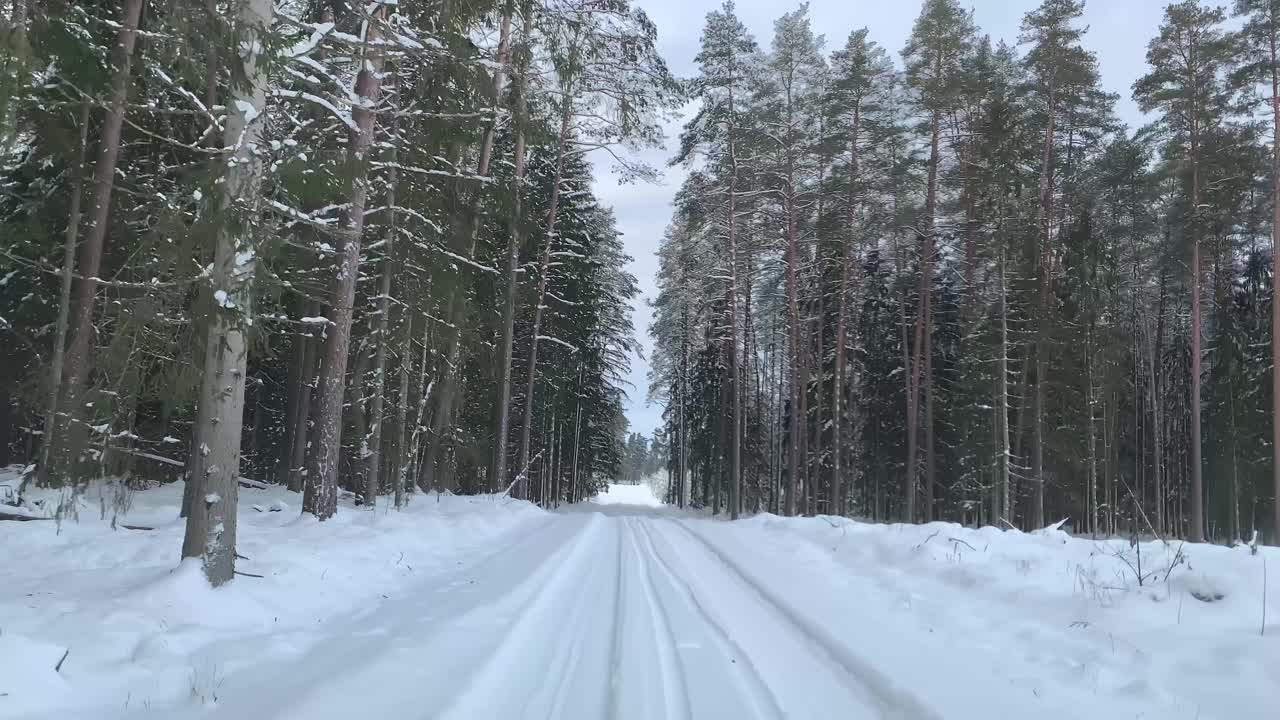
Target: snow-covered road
point(623, 613)
point(626, 609)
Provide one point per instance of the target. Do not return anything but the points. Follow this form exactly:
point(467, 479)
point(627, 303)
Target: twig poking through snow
point(58, 667)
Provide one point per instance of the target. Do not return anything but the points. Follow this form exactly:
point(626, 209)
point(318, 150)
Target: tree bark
point(847, 256)
point(372, 450)
point(1274, 47)
point(64, 296)
point(544, 275)
point(1042, 344)
point(321, 495)
point(211, 523)
point(1196, 533)
point(442, 416)
point(735, 457)
point(402, 407)
point(69, 427)
point(514, 239)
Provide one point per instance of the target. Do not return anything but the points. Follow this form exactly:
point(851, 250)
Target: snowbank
point(139, 629)
point(1048, 614)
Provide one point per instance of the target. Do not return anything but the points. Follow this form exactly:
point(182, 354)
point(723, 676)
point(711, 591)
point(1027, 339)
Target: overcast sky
point(1118, 33)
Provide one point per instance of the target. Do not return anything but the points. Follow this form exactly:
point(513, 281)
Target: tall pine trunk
point(211, 522)
point(372, 447)
point(64, 296)
point(735, 371)
point(1197, 480)
point(1274, 42)
point(451, 372)
point(544, 276)
point(321, 495)
point(847, 259)
point(1042, 340)
point(69, 425)
point(514, 240)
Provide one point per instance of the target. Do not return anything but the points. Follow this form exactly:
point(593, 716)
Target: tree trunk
point(1002, 385)
point(70, 429)
point(1197, 480)
point(514, 240)
point(445, 399)
point(211, 523)
point(372, 448)
point(64, 297)
point(1042, 344)
point(1275, 278)
point(847, 256)
point(735, 371)
point(924, 323)
point(798, 379)
point(544, 276)
point(402, 407)
point(302, 422)
point(321, 495)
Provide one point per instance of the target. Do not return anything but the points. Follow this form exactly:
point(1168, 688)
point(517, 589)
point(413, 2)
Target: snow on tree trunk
point(321, 495)
point(211, 524)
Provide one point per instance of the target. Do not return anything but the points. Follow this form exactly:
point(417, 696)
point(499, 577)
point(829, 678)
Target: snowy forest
point(581, 359)
point(944, 282)
point(337, 246)
point(353, 249)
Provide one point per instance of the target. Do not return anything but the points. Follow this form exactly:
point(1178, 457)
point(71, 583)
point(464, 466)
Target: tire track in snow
point(615, 635)
point(892, 700)
point(332, 675)
point(567, 663)
point(500, 675)
point(675, 694)
point(764, 702)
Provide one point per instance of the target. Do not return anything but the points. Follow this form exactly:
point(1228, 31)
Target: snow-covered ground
point(488, 608)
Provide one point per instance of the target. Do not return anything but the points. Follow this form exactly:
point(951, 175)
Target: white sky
point(1118, 32)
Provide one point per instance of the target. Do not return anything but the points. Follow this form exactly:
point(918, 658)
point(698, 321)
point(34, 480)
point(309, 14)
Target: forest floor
point(483, 607)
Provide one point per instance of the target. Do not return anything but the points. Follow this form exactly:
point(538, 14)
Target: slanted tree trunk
point(514, 239)
point(69, 427)
point(321, 495)
point(64, 296)
point(544, 276)
point(442, 416)
point(211, 522)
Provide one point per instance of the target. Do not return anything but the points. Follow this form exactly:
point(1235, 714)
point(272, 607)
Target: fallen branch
point(137, 527)
point(58, 667)
point(248, 574)
point(958, 540)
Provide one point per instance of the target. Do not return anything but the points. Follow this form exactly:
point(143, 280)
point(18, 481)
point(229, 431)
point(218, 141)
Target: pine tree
point(941, 38)
point(1187, 81)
